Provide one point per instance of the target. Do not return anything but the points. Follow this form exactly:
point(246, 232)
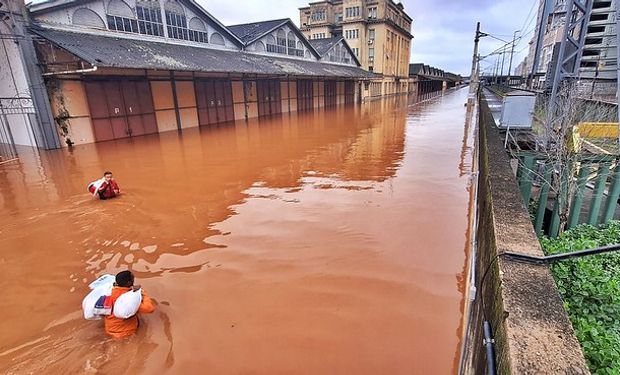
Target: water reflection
point(289, 236)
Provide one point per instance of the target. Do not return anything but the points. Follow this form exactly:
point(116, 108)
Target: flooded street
point(332, 242)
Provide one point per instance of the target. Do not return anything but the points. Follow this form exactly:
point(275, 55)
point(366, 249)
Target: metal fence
point(587, 191)
point(10, 107)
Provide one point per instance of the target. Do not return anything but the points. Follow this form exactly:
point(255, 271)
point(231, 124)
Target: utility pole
point(473, 78)
point(512, 51)
point(503, 56)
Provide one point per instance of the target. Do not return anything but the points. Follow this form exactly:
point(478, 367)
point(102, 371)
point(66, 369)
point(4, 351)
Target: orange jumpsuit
point(117, 327)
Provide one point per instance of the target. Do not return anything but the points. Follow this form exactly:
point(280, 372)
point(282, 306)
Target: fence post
point(575, 209)
point(599, 191)
point(525, 179)
point(560, 201)
point(612, 197)
point(542, 200)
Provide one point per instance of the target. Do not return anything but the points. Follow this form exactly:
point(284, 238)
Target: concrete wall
point(531, 329)
point(68, 101)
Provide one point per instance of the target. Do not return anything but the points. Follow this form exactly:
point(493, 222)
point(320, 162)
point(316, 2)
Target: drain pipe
point(488, 344)
point(76, 71)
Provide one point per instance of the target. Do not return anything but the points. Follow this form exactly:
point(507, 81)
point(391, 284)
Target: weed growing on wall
point(590, 288)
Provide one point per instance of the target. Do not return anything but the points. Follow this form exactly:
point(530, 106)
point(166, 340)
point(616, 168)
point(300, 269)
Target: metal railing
point(586, 192)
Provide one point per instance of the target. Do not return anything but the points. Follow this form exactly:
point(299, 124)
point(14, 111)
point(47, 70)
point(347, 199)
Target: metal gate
point(12, 106)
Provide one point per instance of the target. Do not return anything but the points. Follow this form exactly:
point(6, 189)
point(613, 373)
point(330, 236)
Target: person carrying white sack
point(119, 327)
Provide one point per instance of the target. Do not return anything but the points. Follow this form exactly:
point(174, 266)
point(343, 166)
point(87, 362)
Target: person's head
point(124, 279)
point(107, 175)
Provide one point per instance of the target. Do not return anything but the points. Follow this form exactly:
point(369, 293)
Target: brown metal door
point(132, 108)
point(95, 95)
point(116, 109)
point(305, 95)
point(330, 93)
point(147, 109)
point(275, 97)
point(262, 94)
point(201, 102)
point(229, 109)
point(349, 92)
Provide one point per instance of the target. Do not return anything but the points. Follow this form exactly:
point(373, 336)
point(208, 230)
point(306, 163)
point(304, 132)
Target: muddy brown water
point(324, 243)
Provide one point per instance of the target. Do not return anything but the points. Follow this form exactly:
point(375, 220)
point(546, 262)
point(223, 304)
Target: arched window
point(259, 47)
point(308, 54)
point(179, 28)
point(120, 8)
point(87, 17)
point(280, 43)
point(218, 39)
point(147, 19)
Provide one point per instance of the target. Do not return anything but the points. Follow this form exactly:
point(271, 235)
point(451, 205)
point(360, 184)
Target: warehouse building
point(123, 68)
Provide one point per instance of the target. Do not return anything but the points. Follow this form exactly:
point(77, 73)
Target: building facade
point(124, 68)
point(597, 67)
point(379, 33)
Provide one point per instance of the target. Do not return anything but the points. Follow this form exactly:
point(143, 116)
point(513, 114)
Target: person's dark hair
point(124, 279)
point(106, 173)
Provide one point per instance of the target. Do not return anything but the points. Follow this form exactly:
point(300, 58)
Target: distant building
point(429, 80)
point(378, 31)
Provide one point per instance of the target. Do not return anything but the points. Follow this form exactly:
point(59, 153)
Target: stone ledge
point(532, 332)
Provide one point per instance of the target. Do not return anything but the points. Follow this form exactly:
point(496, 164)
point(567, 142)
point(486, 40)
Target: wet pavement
point(332, 242)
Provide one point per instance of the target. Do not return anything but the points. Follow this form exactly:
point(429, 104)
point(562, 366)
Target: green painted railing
point(541, 185)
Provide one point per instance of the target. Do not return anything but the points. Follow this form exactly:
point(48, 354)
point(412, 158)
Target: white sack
point(127, 304)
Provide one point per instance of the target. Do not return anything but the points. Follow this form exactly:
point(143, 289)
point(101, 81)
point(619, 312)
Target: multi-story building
point(597, 68)
point(378, 31)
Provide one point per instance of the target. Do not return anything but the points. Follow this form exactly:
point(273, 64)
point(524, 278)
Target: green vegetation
point(590, 287)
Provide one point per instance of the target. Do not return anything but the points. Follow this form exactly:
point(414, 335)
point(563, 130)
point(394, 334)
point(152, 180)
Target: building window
point(319, 15)
point(371, 54)
point(352, 12)
point(178, 29)
point(371, 34)
point(149, 21)
point(352, 34)
point(278, 44)
point(339, 17)
point(291, 44)
point(318, 36)
point(356, 51)
point(372, 13)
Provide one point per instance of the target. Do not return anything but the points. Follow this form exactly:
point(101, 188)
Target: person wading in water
point(117, 327)
point(105, 188)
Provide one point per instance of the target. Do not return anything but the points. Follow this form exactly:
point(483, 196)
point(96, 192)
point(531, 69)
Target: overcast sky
point(443, 29)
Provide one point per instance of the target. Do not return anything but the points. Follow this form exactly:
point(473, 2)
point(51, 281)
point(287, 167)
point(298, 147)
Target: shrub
point(590, 288)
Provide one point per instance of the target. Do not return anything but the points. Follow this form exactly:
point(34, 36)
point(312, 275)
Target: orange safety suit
point(117, 327)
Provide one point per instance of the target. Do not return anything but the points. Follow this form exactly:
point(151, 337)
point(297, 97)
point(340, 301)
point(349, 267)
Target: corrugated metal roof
point(111, 51)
